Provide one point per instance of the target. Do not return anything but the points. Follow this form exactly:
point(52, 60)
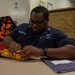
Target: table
point(29, 67)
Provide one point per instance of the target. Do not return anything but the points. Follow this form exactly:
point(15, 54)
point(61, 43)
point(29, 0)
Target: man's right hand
point(14, 47)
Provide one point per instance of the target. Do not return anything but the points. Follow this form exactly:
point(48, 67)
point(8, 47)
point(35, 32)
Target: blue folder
point(60, 66)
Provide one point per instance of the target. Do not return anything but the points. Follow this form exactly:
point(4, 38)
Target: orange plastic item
point(5, 53)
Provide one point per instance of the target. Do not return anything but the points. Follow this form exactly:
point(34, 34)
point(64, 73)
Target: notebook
point(60, 66)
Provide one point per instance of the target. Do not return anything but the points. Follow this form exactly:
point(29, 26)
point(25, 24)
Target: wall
point(60, 3)
point(21, 14)
point(33, 3)
point(56, 3)
point(25, 6)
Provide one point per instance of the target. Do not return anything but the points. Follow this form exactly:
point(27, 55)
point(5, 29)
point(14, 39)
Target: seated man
point(38, 39)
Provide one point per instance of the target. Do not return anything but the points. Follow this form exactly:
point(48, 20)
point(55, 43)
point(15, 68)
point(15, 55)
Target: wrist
point(40, 52)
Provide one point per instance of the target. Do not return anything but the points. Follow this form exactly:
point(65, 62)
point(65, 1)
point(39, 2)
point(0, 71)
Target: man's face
point(38, 22)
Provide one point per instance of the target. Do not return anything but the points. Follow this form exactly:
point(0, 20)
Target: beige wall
point(34, 3)
point(21, 14)
point(56, 3)
point(60, 3)
point(7, 8)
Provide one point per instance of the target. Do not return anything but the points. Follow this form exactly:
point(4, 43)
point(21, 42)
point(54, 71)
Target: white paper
point(57, 62)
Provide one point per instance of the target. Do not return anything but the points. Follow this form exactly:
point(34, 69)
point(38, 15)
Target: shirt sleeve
point(62, 39)
point(15, 34)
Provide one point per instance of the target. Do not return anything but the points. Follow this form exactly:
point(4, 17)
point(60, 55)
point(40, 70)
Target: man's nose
point(35, 25)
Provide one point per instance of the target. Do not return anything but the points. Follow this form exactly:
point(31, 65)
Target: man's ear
point(47, 19)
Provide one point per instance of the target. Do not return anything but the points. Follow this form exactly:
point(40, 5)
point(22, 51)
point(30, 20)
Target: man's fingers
point(25, 58)
point(25, 54)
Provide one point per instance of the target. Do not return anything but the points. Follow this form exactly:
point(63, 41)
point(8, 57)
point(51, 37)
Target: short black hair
point(42, 9)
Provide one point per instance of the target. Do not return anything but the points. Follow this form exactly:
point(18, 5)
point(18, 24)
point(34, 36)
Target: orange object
point(5, 53)
point(18, 57)
point(6, 26)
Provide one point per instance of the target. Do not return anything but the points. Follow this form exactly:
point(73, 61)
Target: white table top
point(30, 67)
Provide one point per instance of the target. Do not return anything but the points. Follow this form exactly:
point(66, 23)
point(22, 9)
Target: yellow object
point(5, 53)
point(17, 56)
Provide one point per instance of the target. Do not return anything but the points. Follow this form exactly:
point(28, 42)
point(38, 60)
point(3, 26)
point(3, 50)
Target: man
point(38, 39)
